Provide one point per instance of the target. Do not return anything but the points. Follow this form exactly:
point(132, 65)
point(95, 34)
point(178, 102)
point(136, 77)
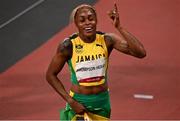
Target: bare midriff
point(87, 90)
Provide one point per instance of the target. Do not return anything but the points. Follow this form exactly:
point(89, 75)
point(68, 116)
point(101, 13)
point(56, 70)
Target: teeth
point(88, 28)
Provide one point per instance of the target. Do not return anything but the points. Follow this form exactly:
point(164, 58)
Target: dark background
point(32, 29)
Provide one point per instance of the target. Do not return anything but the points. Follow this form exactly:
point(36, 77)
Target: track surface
point(25, 94)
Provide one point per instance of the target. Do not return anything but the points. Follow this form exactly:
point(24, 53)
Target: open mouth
point(88, 29)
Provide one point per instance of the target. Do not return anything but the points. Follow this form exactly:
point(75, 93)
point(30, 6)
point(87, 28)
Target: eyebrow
point(89, 14)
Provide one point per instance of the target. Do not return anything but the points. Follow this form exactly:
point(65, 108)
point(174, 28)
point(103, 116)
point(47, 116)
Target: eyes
point(90, 18)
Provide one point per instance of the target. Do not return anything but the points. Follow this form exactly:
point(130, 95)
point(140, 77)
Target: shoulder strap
point(99, 32)
point(73, 36)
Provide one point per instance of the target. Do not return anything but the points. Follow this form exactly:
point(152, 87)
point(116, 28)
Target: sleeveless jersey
point(89, 62)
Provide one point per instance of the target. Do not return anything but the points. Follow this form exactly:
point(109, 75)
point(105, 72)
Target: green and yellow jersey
point(89, 61)
point(88, 66)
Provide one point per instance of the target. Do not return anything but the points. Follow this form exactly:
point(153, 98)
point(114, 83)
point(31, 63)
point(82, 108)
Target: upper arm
point(62, 55)
point(116, 42)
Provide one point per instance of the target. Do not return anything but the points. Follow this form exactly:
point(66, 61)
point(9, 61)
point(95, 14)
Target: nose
point(87, 22)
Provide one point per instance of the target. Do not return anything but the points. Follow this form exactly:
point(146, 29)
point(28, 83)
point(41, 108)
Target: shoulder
point(108, 37)
point(109, 42)
point(66, 44)
point(113, 38)
point(65, 48)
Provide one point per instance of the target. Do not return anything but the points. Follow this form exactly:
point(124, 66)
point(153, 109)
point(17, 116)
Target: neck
point(88, 39)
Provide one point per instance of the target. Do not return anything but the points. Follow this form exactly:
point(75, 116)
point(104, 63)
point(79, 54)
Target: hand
point(114, 16)
point(77, 107)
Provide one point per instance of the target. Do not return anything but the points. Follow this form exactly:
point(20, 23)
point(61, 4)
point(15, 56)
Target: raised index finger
point(115, 6)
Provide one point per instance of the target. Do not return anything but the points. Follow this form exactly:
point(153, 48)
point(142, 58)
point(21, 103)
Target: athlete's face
point(86, 21)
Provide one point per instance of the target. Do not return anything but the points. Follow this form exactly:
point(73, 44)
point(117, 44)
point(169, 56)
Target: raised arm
point(126, 43)
point(63, 53)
